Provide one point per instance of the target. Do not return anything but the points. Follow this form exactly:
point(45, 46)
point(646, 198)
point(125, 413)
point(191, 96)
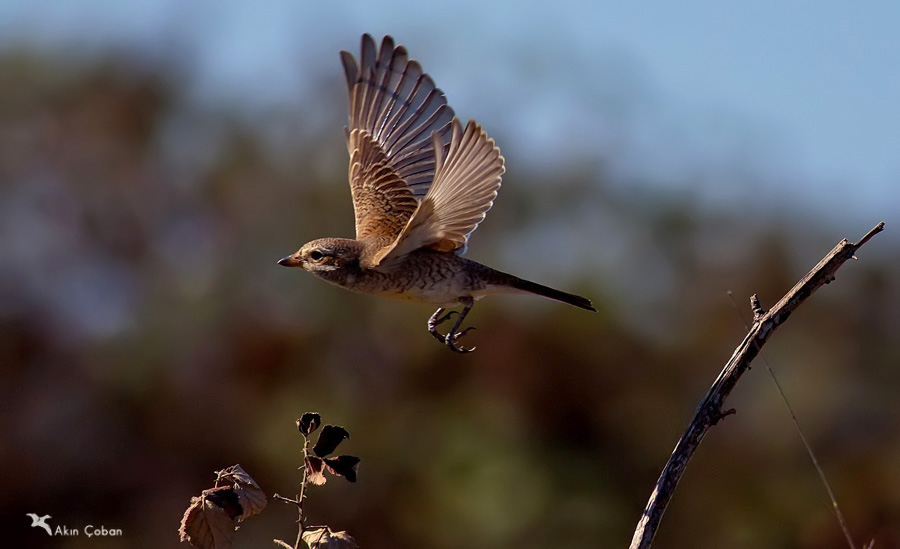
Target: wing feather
point(467, 178)
point(397, 114)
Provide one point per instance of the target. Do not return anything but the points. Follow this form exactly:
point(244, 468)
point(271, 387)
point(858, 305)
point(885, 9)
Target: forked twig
point(709, 412)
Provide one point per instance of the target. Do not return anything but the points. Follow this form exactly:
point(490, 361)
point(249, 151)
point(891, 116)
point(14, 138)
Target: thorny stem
point(301, 496)
point(299, 501)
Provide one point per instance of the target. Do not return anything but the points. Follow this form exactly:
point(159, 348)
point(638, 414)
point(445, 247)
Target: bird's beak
point(289, 261)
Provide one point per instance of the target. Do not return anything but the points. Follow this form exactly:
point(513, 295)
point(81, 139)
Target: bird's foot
point(451, 339)
point(437, 320)
point(452, 336)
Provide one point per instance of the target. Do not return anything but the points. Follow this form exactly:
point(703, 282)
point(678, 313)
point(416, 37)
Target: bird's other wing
point(465, 185)
point(395, 109)
point(382, 201)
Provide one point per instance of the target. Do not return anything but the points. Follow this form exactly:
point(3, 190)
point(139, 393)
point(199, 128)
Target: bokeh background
point(158, 157)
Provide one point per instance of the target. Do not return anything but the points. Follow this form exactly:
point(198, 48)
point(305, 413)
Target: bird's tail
point(550, 293)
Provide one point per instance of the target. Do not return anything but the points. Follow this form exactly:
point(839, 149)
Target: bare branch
point(709, 412)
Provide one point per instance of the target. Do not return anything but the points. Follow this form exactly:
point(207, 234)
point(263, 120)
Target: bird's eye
point(316, 255)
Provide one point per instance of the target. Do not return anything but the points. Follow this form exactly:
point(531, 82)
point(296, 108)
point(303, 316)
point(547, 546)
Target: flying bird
point(40, 522)
point(421, 183)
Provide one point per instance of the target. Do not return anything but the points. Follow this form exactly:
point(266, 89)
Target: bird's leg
point(436, 320)
point(439, 317)
point(453, 335)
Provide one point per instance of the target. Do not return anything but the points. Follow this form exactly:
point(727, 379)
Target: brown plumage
point(421, 183)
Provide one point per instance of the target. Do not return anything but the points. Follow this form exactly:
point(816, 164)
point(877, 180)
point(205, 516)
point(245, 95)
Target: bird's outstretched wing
point(465, 185)
point(397, 118)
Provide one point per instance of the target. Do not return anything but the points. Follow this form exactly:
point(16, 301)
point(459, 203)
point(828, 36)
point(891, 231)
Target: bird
point(421, 183)
point(40, 522)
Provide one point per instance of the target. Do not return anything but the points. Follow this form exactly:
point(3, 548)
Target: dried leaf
point(308, 423)
point(206, 525)
point(329, 438)
point(280, 543)
point(251, 497)
point(315, 471)
point(343, 466)
point(324, 538)
point(226, 498)
point(236, 474)
point(253, 501)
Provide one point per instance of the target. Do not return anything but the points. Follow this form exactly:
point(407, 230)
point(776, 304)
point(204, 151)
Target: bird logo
point(421, 182)
point(40, 522)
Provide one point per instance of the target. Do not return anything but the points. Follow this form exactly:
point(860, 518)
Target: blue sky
point(801, 94)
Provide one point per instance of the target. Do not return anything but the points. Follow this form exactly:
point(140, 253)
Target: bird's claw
point(452, 336)
point(436, 321)
point(451, 339)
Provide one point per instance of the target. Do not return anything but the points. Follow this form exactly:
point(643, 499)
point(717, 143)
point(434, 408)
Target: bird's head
point(329, 258)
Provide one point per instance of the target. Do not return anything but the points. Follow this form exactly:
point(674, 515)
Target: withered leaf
point(282, 544)
point(236, 474)
point(315, 471)
point(308, 423)
point(344, 466)
point(329, 438)
point(253, 501)
point(251, 497)
point(324, 538)
point(226, 498)
point(206, 525)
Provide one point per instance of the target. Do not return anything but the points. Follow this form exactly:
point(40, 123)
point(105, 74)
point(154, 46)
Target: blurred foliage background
point(147, 337)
